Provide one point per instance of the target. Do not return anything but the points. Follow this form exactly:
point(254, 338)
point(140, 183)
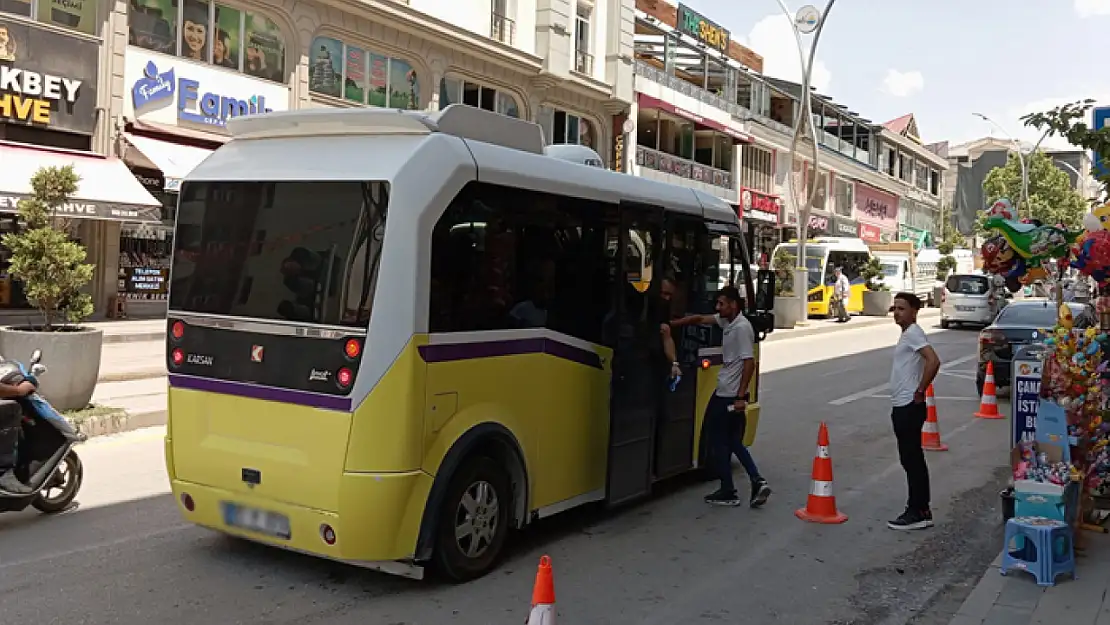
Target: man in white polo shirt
point(725, 415)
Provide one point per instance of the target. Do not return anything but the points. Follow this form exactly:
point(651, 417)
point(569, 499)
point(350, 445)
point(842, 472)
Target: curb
point(104, 425)
point(134, 337)
point(131, 376)
point(856, 322)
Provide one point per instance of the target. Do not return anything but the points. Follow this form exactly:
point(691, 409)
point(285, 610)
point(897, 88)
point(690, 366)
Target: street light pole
point(1024, 199)
point(801, 273)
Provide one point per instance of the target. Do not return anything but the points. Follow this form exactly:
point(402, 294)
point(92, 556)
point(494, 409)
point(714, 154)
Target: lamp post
point(1024, 199)
point(804, 17)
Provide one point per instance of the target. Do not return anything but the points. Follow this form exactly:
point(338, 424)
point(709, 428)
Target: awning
point(106, 190)
point(174, 160)
point(649, 102)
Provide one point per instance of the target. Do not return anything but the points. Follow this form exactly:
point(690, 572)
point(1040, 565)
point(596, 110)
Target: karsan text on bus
point(26, 95)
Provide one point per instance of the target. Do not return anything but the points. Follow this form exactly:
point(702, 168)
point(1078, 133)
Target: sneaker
point(722, 498)
point(11, 484)
point(911, 520)
point(760, 492)
point(928, 518)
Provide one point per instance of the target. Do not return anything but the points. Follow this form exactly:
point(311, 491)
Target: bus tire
point(474, 520)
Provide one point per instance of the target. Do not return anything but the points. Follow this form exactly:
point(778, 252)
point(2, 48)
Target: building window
point(209, 32)
point(80, 16)
point(501, 28)
point(921, 176)
point(561, 127)
point(934, 182)
point(583, 60)
point(822, 187)
point(756, 165)
point(892, 162)
point(343, 71)
point(844, 194)
point(460, 91)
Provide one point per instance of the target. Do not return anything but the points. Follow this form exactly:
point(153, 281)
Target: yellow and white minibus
point(823, 254)
point(395, 336)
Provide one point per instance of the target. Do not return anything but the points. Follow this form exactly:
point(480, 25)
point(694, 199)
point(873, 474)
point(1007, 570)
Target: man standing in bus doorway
point(725, 415)
point(915, 366)
point(842, 292)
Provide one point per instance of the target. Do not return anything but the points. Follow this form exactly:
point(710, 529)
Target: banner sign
point(1025, 390)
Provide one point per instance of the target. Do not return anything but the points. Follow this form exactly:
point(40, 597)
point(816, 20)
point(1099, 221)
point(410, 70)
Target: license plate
point(261, 521)
point(965, 308)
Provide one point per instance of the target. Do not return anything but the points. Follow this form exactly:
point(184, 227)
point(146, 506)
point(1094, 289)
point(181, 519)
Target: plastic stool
point(1036, 540)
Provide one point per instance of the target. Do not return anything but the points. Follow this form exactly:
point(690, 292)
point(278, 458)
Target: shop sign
point(47, 79)
point(144, 282)
point(616, 162)
point(9, 203)
point(876, 207)
point(176, 92)
point(869, 233)
point(759, 206)
point(818, 224)
point(845, 228)
point(692, 23)
point(1026, 391)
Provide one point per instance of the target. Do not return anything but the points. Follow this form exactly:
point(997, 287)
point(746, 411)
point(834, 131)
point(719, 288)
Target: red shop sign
point(759, 206)
point(869, 233)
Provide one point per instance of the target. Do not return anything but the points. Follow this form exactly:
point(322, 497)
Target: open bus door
point(636, 389)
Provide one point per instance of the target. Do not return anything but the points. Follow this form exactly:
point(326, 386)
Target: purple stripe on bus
point(510, 347)
point(269, 393)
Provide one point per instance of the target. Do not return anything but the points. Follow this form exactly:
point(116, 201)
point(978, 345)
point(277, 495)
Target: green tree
point(51, 266)
point(1051, 198)
point(1070, 122)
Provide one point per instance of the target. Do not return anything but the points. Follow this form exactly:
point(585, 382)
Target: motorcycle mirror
point(38, 369)
point(36, 356)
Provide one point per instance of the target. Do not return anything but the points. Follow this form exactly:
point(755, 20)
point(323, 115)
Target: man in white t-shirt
point(915, 365)
point(726, 414)
point(842, 289)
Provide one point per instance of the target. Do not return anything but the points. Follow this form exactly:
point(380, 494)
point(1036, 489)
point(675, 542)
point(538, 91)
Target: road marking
point(95, 546)
point(944, 398)
point(960, 375)
point(868, 392)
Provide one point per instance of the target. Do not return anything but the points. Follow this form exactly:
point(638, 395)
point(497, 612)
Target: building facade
point(148, 86)
point(918, 173)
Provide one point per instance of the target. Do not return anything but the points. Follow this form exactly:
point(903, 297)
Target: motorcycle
point(45, 461)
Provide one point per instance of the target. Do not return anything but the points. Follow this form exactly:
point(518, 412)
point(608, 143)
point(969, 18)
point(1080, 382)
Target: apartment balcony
point(683, 168)
point(654, 74)
point(502, 29)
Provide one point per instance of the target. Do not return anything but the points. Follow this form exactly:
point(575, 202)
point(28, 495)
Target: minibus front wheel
point(474, 520)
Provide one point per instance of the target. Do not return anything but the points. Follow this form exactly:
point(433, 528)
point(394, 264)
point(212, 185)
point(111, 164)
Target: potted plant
point(945, 266)
point(53, 271)
point(786, 306)
point(877, 298)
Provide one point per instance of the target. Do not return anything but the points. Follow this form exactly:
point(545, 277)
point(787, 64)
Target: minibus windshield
point(306, 252)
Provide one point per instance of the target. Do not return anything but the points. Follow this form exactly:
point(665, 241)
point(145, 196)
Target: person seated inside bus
point(533, 312)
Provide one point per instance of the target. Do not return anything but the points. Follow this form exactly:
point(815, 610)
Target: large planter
point(786, 312)
point(72, 358)
point(877, 303)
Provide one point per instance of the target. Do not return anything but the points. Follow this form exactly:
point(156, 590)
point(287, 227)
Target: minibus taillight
point(178, 330)
point(705, 363)
point(352, 349)
point(344, 377)
point(178, 356)
point(327, 533)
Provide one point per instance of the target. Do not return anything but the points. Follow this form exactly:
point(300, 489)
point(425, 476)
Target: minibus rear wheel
point(474, 520)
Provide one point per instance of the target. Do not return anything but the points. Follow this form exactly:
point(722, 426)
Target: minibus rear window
point(292, 251)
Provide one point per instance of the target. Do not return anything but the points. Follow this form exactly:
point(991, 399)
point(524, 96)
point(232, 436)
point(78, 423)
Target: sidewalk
point(1017, 600)
point(822, 326)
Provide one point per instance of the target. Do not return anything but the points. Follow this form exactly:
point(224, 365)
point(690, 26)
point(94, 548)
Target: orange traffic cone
point(543, 596)
point(821, 504)
point(988, 405)
point(930, 432)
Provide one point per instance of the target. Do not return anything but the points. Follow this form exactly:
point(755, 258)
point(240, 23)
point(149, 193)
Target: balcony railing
point(583, 62)
point(655, 74)
point(683, 168)
point(502, 29)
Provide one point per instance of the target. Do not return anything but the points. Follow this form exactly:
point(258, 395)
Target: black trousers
point(10, 425)
point(908, 421)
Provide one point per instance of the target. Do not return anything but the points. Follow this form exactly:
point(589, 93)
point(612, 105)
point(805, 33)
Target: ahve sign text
point(27, 96)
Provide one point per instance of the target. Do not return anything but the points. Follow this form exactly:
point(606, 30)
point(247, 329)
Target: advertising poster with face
point(152, 24)
point(265, 54)
point(225, 44)
point(326, 66)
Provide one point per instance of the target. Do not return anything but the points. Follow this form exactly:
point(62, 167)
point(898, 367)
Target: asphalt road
point(126, 558)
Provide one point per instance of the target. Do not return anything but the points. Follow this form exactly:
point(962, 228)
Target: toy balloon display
point(1033, 242)
point(1092, 256)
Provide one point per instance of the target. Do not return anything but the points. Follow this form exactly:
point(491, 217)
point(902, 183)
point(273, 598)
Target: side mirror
point(765, 290)
point(36, 356)
point(38, 369)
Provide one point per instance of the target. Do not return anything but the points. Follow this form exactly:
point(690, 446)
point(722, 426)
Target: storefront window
point(562, 127)
point(755, 169)
point(79, 15)
point(453, 90)
point(844, 196)
point(340, 70)
point(209, 32)
point(144, 261)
